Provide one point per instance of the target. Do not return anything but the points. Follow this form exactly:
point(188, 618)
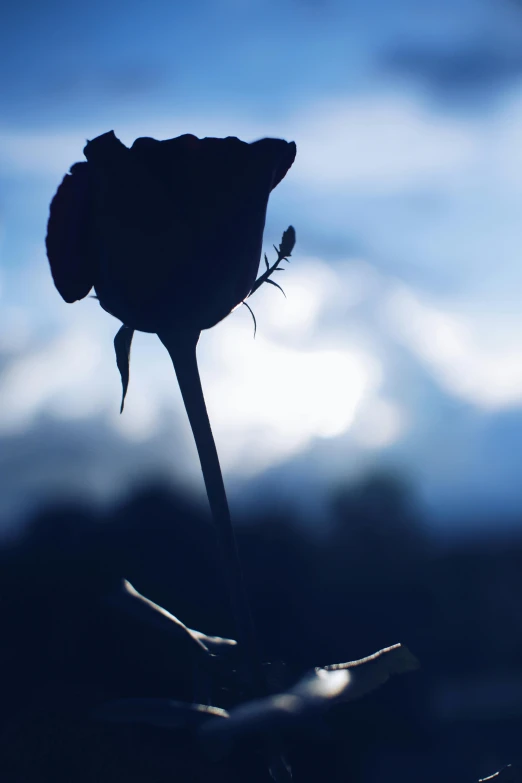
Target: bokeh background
point(371, 433)
point(400, 342)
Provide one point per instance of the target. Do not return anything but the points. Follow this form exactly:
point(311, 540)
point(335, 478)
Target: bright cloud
point(377, 143)
point(51, 379)
point(474, 355)
point(283, 397)
point(317, 367)
point(382, 141)
point(51, 153)
point(269, 398)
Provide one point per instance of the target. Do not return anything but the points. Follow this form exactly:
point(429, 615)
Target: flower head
point(169, 233)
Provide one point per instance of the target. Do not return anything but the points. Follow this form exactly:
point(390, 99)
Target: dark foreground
point(376, 579)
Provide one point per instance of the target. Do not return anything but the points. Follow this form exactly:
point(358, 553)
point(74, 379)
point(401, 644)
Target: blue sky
point(400, 343)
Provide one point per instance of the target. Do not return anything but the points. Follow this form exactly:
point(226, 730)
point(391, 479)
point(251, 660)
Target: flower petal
point(178, 225)
point(105, 149)
point(277, 155)
point(186, 142)
point(67, 239)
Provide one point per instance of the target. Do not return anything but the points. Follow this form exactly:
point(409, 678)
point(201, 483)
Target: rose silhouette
point(169, 233)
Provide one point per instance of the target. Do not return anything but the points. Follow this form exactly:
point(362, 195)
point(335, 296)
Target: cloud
point(378, 143)
point(474, 355)
point(303, 380)
point(83, 459)
point(270, 401)
point(475, 71)
point(50, 378)
point(51, 152)
point(380, 423)
point(269, 398)
point(318, 370)
point(322, 364)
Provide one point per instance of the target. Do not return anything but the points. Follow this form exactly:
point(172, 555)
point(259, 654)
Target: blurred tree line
point(377, 576)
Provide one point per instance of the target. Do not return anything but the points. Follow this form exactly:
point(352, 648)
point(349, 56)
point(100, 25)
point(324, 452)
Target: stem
point(182, 349)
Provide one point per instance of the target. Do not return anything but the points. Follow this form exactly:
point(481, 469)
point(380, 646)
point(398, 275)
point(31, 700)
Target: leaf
point(188, 645)
point(370, 672)
point(272, 282)
point(165, 713)
point(508, 774)
point(309, 699)
point(217, 644)
point(122, 346)
point(287, 242)
point(396, 658)
point(313, 695)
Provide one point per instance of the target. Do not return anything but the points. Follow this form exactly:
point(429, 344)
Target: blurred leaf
point(217, 644)
point(370, 672)
point(191, 645)
point(508, 774)
point(287, 243)
point(122, 346)
point(313, 695)
point(164, 713)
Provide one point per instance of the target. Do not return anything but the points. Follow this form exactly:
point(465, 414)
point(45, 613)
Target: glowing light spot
point(284, 396)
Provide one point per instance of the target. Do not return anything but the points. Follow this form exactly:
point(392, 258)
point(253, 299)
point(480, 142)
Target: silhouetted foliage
point(376, 579)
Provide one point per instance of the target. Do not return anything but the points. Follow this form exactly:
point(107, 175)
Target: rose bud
point(169, 233)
